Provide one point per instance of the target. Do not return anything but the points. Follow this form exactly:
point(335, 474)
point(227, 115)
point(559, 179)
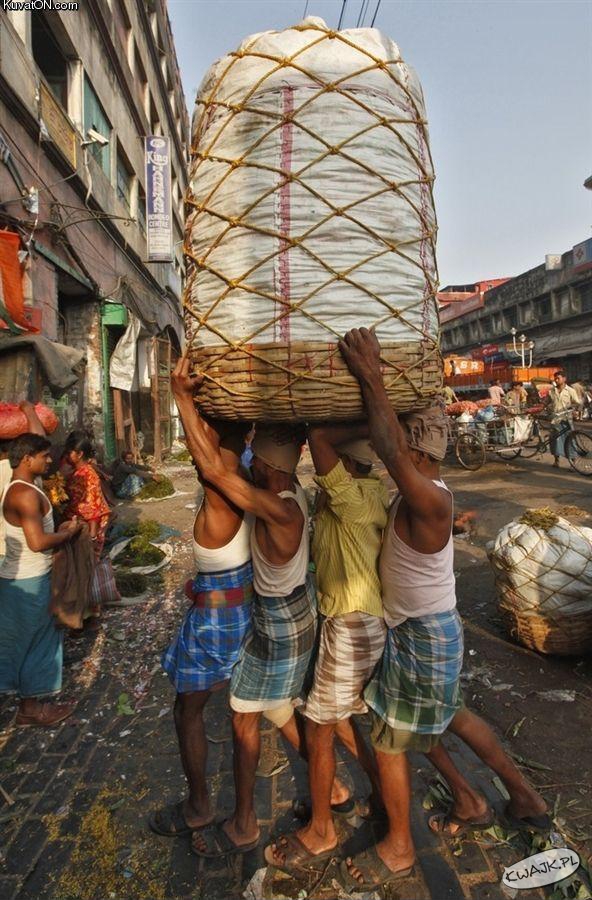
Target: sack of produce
point(461, 406)
point(543, 574)
point(13, 421)
point(310, 212)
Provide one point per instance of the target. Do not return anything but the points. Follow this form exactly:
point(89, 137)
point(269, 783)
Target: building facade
point(79, 91)
point(551, 305)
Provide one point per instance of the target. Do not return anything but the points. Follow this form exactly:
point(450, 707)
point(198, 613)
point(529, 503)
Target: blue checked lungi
point(132, 485)
point(278, 650)
point(416, 687)
point(209, 641)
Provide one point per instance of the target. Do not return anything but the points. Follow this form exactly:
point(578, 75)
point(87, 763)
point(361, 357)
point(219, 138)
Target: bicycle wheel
point(470, 451)
point(578, 449)
point(535, 443)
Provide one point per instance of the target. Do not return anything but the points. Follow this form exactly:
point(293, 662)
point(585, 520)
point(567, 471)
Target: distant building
point(551, 304)
point(79, 91)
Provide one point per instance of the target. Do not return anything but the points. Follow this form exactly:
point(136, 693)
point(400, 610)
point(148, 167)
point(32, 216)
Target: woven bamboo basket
point(569, 635)
point(310, 212)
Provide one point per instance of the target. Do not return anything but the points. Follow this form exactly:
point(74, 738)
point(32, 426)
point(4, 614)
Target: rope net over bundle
point(310, 212)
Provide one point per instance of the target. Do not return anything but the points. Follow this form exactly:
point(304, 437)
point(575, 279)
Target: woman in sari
point(83, 486)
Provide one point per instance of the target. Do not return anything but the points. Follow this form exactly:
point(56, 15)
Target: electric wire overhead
point(343, 5)
point(362, 13)
point(375, 14)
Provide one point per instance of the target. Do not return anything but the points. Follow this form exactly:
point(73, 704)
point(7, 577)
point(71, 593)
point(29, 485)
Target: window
point(586, 296)
point(95, 119)
point(511, 317)
point(525, 313)
point(544, 310)
point(486, 328)
point(125, 181)
point(141, 214)
point(50, 60)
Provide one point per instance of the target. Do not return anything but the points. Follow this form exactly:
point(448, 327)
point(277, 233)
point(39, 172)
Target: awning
point(565, 340)
point(61, 365)
point(157, 313)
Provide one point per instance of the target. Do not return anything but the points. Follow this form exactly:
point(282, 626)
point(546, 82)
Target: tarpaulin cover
point(12, 279)
point(59, 364)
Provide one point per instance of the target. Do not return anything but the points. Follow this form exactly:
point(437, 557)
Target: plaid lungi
point(350, 647)
point(209, 641)
point(415, 691)
point(277, 652)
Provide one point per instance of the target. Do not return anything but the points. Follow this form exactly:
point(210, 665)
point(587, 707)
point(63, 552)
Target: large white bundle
point(548, 571)
point(310, 207)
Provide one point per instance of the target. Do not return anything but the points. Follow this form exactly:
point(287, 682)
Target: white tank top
point(414, 584)
point(279, 581)
point(233, 554)
point(21, 562)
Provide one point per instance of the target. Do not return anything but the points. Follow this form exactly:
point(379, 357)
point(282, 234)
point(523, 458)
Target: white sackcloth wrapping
point(370, 162)
point(544, 571)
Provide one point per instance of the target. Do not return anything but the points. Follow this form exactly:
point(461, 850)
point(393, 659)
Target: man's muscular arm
point(361, 352)
point(264, 504)
point(322, 440)
point(26, 504)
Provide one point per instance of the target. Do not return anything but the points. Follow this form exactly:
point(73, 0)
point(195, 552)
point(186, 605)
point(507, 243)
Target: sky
point(508, 88)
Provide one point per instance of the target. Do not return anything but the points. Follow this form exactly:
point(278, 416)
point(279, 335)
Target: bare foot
point(195, 817)
point(527, 803)
point(339, 792)
point(394, 859)
point(471, 808)
point(238, 837)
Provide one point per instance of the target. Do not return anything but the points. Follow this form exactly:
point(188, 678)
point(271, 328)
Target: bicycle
point(578, 443)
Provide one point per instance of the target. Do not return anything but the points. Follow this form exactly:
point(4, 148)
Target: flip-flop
point(297, 856)
point(302, 809)
point(465, 825)
point(170, 821)
point(538, 824)
point(374, 872)
point(218, 843)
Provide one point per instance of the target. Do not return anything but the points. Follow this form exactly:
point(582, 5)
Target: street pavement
point(75, 799)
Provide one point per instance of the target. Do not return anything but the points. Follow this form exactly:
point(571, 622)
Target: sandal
point(170, 821)
point(443, 821)
point(218, 842)
point(538, 824)
point(297, 856)
point(374, 872)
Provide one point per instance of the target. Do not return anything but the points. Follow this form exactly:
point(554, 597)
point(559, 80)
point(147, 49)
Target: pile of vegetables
point(462, 406)
point(156, 489)
point(140, 552)
point(130, 584)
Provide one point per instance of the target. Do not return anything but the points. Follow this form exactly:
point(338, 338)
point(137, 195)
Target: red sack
point(455, 409)
point(13, 421)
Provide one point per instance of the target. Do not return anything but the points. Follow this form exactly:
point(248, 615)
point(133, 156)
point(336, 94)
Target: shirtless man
point(31, 646)
point(201, 657)
point(415, 694)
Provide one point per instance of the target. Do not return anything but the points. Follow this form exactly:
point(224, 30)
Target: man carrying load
point(415, 694)
point(346, 547)
point(270, 673)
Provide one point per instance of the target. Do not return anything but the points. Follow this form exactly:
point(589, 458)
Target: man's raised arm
point(202, 443)
point(323, 439)
point(361, 351)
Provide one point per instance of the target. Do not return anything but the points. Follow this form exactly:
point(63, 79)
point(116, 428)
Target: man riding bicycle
point(561, 402)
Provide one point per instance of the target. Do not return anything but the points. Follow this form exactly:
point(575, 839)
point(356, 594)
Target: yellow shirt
point(347, 541)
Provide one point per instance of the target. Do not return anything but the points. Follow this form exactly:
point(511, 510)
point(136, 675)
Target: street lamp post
point(521, 351)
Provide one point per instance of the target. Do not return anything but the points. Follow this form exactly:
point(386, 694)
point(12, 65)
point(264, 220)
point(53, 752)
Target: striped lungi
point(211, 637)
point(277, 652)
point(350, 647)
point(415, 691)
